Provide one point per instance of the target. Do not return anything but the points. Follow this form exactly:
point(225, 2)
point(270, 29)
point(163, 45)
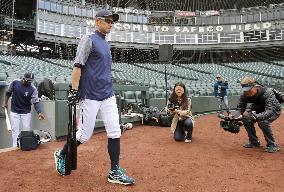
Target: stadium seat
point(3, 76)
point(157, 94)
point(129, 97)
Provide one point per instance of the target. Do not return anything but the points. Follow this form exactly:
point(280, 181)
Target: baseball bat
point(74, 140)
point(68, 166)
point(71, 156)
point(8, 123)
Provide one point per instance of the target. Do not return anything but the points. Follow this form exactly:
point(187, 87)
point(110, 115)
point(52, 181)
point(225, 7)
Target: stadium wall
point(57, 127)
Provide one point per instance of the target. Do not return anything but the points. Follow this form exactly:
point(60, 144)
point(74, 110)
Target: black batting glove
point(250, 117)
point(73, 97)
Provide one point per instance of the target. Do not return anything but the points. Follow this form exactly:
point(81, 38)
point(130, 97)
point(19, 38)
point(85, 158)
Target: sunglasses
point(28, 80)
point(108, 21)
point(247, 85)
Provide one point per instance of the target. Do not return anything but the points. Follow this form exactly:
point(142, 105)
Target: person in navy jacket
point(220, 92)
point(23, 94)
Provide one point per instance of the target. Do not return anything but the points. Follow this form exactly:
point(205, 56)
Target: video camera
point(172, 106)
point(225, 83)
point(229, 124)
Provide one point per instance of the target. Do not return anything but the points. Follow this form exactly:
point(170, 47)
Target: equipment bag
point(165, 120)
point(151, 115)
point(28, 140)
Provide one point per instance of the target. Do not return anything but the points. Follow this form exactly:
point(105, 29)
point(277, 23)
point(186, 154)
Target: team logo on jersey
point(26, 93)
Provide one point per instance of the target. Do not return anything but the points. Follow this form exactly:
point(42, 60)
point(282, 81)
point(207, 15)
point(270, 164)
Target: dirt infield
point(214, 162)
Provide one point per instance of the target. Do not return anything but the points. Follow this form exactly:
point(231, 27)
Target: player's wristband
point(77, 65)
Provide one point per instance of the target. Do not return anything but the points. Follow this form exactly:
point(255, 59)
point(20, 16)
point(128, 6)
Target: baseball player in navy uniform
point(92, 86)
point(24, 94)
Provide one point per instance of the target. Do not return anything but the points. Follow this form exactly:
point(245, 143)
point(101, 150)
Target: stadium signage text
point(134, 11)
point(192, 29)
point(184, 14)
point(208, 13)
point(193, 14)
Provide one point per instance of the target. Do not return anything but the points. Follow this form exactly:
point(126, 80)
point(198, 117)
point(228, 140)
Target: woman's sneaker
point(59, 162)
point(119, 176)
point(188, 140)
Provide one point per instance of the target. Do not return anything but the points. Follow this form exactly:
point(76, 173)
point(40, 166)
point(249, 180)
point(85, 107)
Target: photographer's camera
point(172, 106)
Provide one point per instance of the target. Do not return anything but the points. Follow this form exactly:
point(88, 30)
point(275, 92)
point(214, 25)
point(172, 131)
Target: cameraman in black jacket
point(265, 109)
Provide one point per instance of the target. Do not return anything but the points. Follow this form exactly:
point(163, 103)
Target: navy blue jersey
point(95, 59)
point(23, 97)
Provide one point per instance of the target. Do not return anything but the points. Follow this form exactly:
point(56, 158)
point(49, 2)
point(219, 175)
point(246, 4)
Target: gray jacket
point(264, 104)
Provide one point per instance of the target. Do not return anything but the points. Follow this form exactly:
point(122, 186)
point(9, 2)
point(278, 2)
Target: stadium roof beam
point(192, 5)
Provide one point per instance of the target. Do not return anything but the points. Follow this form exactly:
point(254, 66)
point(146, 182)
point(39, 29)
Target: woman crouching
point(179, 105)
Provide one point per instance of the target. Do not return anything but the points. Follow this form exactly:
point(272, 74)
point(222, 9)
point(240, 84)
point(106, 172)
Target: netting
point(208, 37)
point(6, 10)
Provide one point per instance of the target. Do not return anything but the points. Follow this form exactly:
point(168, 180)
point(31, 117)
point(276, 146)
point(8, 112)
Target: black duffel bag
point(165, 120)
point(28, 140)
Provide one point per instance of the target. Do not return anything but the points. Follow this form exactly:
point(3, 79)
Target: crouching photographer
point(264, 110)
point(179, 105)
